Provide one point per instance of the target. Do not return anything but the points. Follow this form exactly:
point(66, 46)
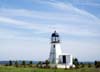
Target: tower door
point(64, 59)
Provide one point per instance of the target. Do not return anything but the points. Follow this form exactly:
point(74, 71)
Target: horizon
point(26, 27)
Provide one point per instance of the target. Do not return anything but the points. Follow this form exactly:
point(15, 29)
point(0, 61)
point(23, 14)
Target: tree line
point(46, 63)
point(21, 63)
point(78, 64)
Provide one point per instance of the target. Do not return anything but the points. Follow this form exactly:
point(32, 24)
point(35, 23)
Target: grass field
point(27, 69)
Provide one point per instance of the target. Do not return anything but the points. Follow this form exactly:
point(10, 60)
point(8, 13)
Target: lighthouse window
point(53, 46)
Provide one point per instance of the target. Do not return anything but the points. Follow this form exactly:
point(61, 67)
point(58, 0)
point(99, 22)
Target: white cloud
point(90, 4)
point(87, 2)
point(66, 29)
point(81, 18)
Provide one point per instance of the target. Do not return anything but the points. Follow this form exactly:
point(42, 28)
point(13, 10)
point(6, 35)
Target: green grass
point(27, 69)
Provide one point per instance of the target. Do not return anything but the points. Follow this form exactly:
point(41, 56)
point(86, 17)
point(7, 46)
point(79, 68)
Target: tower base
point(62, 66)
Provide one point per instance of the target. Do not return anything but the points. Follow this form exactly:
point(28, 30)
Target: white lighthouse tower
point(55, 48)
point(56, 57)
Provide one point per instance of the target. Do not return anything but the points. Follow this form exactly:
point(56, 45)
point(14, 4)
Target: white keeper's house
point(57, 58)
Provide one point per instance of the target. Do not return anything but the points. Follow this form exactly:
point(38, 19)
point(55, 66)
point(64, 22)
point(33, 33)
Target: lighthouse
point(56, 57)
point(55, 48)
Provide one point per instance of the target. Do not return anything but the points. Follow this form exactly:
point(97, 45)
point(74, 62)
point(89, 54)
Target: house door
point(64, 59)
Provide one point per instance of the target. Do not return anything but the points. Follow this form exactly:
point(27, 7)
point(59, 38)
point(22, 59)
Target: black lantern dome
point(55, 34)
point(55, 37)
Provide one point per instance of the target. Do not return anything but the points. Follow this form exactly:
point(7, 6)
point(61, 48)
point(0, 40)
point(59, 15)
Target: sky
point(26, 27)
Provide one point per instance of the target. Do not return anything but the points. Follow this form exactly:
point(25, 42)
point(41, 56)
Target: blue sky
point(26, 27)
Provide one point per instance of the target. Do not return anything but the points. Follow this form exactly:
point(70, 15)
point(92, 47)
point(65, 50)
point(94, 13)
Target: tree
point(75, 62)
point(82, 64)
point(39, 64)
point(10, 63)
point(97, 64)
point(30, 63)
point(24, 63)
point(16, 63)
point(47, 63)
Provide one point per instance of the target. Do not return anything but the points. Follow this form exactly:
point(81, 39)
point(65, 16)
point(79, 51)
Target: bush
point(30, 63)
point(39, 64)
point(82, 65)
point(97, 64)
point(6, 64)
point(89, 65)
point(24, 63)
point(10, 63)
point(47, 63)
point(76, 63)
point(16, 64)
